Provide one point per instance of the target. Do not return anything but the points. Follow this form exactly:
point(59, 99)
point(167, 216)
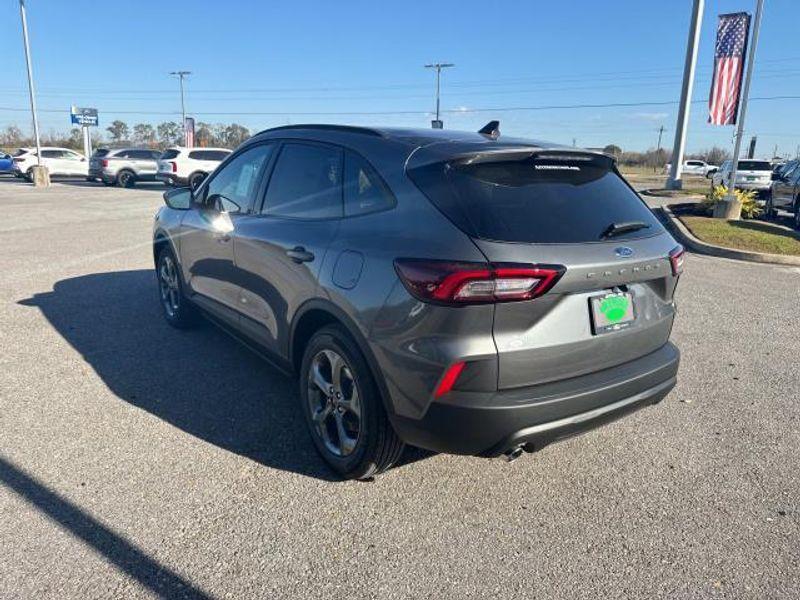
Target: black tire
point(377, 446)
point(769, 210)
point(195, 179)
point(126, 179)
point(180, 313)
point(797, 213)
point(29, 175)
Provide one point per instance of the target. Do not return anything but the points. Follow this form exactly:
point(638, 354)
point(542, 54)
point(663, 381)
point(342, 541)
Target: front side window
point(306, 183)
point(236, 182)
point(364, 191)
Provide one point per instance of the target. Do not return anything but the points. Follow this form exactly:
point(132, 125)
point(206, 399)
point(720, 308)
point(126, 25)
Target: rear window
point(167, 154)
point(544, 199)
point(20, 152)
point(754, 165)
point(218, 155)
point(101, 152)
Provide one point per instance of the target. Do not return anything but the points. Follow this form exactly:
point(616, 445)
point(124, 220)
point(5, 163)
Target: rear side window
point(100, 152)
point(364, 191)
point(754, 165)
point(545, 200)
point(52, 154)
point(306, 183)
point(218, 155)
point(140, 154)
point(168, 154)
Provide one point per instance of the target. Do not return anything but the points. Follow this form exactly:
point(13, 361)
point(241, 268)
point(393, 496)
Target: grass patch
point(755, 236)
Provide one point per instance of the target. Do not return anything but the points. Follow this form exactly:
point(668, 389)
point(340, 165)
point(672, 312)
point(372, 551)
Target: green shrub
point(750, 208)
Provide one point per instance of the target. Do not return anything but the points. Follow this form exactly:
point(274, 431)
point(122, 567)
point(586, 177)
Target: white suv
point(695, 167)
point(59, 162)
point(189, 166)
point(751, 174)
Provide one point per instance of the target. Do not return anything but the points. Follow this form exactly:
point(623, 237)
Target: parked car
point(695, 167)
point(785, 192)
point(6, 163)
point(750, 175)
point(189, 166)
point(443, 289)
point(124, 166)
point(60, 162)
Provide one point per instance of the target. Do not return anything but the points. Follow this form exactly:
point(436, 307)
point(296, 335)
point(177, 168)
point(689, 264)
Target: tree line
point(119, 133)
point(658, 158)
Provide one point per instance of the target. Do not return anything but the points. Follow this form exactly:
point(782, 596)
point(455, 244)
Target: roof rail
point(327, 127)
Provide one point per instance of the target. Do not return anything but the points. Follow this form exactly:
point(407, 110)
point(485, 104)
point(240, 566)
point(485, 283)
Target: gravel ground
point(138, 461)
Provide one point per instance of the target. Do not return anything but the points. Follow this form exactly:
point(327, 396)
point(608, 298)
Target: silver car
point(455, 291)
point(123, 166)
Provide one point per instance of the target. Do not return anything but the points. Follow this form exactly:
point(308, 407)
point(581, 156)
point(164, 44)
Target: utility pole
point(660, 133)
point(732, 208)
point(674, 180)
point(30, 81)
point(437, 124)
point(181, 75)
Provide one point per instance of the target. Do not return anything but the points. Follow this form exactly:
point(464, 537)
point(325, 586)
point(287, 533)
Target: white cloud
point(650, 116)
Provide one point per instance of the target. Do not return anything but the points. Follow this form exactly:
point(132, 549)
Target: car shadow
point(766, 227)
point(200, 380)
point(139, 185)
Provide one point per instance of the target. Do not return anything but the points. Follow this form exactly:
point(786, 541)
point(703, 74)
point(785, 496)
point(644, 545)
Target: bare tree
point(119, 131)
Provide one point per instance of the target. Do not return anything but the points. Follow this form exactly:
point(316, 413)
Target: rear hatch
point(524, 207)
point(166, 162)
point(96, 160)
point(754, 172)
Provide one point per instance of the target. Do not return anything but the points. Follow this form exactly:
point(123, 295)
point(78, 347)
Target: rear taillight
point(449, 282)
point(104, 162)
point(676, 259)
point(174, 167)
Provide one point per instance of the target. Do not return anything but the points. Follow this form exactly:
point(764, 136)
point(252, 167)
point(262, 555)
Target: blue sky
point(352, 60)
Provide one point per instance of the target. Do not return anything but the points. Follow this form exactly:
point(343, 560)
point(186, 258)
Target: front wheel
point(178, 311)
point(343, 407)
point(126, 179)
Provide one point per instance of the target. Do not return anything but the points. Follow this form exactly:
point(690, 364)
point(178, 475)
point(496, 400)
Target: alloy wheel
point(168, 286)
point(334, 402)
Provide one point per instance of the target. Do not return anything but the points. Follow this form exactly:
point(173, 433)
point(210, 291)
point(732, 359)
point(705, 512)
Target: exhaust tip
point(513, 453)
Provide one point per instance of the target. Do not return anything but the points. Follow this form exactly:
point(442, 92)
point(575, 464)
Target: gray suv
point(123, 166)
point(453, 291)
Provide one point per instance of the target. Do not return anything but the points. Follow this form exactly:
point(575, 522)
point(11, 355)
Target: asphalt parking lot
point(140, 461)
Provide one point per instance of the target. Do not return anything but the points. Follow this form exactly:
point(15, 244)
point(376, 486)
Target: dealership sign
point(87, 117)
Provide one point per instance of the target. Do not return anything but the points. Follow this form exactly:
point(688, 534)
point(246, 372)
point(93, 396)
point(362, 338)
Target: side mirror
point(222, 204)
point(178, 198)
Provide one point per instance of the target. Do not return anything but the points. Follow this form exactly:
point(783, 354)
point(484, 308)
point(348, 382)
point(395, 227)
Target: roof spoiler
point(491, 130)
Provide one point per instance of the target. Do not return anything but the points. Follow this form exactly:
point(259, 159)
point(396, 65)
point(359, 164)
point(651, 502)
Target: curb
point(687, 238)
point(652, 194)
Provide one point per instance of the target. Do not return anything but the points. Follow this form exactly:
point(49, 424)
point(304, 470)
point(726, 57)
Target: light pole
point(30, 81)
point(181, 75)
point(674, 180)
point(437, 124)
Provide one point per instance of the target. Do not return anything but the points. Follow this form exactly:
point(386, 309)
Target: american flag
point(723, 102)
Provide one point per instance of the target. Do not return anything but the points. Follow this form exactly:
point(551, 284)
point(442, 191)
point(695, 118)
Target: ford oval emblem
point(623, 251)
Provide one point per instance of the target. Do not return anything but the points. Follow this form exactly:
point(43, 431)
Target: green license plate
point(611, 312)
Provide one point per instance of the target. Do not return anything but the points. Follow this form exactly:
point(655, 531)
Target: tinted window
point(52, 154)
point(538, 200)
point(236, 182)
point(122, 154)
point(170, 154)
point(217, 155)
point(364, 191)
point(101, 152)
point(754, 165)
point(306, 183)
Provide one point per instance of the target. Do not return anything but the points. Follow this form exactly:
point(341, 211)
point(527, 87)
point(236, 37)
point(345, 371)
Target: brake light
point(174, 167)
point(449, 282)
point(449, 379)
point(104, 162)
point(676, 258)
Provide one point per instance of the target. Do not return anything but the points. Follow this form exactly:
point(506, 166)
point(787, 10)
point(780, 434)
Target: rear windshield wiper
point(616, 229)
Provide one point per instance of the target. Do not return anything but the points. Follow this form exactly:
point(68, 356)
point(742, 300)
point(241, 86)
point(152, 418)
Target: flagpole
point(732, 208)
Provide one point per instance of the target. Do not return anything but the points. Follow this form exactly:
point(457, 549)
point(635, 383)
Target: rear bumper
point(170, 179)
point(491, 424)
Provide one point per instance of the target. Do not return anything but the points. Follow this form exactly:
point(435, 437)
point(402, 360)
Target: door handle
point(300, 255)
